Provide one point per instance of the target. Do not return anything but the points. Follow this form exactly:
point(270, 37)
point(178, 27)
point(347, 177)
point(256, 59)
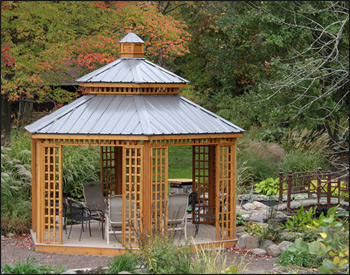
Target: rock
point(11, 235)
point(257, 217)
point(259, 205)
point(240, 229)
point(274, 250)
point(266, 244)
point(259, 252)
point(284, 245)
point(239, 234)
point(248, 206)
point(247, 241)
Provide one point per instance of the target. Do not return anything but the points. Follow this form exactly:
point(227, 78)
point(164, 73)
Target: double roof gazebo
point(132, 110)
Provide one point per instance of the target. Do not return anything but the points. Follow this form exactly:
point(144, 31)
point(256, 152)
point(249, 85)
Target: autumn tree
point(47, 44)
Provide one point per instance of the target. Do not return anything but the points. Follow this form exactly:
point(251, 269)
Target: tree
point(45, 44)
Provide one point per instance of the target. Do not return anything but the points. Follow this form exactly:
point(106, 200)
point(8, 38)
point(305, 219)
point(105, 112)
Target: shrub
point(268, 187)
point(304, 260)
point(161, 256)
point(125, 262)
point(30, 266)
point(298, 161)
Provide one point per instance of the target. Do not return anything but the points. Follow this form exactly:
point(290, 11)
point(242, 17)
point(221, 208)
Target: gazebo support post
point(147, 188)
point(34, 185)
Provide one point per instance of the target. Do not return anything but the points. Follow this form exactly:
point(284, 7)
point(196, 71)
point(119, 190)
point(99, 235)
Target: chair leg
point(107, 231)
point(71, 224)
point(81, 230)
point(102, 231)
point(185, 228)
point(89, 228)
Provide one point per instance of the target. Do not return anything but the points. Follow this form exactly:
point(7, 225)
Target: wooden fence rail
point(317, 184)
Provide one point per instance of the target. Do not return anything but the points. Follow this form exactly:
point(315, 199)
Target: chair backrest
point(177, 206)
point(76, 210)
point(115, 210)
point(93, 195)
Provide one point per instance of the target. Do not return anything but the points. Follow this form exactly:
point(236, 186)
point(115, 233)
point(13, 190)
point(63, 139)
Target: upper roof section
point(131, 38)
point(135, 115)
point(132, 72)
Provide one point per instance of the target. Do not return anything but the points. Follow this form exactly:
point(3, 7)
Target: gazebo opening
point(133, 113)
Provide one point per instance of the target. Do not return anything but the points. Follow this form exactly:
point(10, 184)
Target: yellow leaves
point(323, 235)
point(336, 260)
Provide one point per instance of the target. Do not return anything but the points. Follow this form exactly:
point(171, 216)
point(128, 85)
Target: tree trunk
point(6, 122)
point(26, 113)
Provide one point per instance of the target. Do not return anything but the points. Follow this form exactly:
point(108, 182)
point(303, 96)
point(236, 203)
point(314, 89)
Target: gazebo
point(132, 110)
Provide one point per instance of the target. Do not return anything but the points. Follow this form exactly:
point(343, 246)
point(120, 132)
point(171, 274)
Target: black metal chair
point(79, 213)
point(192, 200)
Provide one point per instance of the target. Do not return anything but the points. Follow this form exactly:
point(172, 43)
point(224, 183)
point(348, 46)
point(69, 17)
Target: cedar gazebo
point(132, 110)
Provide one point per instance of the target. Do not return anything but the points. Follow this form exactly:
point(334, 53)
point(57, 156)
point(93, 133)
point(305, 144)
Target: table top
point(179, 181)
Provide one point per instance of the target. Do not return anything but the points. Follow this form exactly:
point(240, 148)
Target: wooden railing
point(323, 184)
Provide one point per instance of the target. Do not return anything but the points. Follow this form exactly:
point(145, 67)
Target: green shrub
point(161, 256)
point(125, 262)
point(30, 266)
point(300, 221)
point(304, 260)
point(298, 161)
point(268, 187)
point(79, 164)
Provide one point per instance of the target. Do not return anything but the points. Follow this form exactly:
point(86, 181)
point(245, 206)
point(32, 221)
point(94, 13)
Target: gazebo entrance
point(133, 121)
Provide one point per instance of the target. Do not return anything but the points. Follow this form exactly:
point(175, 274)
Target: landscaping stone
point(284, 245)
point(249, 206)
point(266, 244)
point(240, 229)
point(274, 250)
point(259, 205)
point(250, 242)
point(259, 252)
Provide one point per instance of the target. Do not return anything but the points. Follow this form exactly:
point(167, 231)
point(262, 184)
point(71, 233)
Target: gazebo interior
point(131, 109)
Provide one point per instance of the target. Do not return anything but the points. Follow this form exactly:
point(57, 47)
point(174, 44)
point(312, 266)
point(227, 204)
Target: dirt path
point(22, 247)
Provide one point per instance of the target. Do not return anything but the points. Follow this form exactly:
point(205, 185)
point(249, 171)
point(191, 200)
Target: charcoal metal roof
point(132, 115)
point(131, 38)
point(132, 70)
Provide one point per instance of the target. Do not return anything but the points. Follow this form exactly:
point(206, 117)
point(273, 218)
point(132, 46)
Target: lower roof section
point(137, 115)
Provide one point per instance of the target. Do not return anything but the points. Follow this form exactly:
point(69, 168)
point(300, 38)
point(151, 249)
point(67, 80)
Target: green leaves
point(268, 187)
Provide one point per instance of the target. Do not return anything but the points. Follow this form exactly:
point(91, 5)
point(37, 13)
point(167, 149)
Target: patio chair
point(114, 215)
point(177, 214)
point(94, 199)
point(79, 213)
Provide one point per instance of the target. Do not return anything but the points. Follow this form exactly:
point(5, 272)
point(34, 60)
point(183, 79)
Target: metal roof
point(131, 38)
point(132, 70)
point(132, 115)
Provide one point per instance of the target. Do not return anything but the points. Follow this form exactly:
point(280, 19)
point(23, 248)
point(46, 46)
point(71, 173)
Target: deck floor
point(206, 234)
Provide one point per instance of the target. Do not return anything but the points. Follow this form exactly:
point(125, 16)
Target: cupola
point(131, 46)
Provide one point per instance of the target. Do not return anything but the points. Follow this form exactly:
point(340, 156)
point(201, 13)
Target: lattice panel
point(110, 159)
point(159, 170)
point(132, 194)
point(225, 190)
point(52, 195)
point(200, 170)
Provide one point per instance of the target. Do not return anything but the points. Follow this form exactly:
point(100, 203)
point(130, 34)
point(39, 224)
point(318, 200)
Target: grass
point(180, 162)
point(30, 266)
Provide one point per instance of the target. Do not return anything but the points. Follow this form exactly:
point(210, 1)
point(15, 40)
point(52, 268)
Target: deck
point(95, 245)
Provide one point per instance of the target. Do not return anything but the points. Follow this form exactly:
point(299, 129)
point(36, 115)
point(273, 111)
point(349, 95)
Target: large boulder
point(265, 245)
point(247, 241)
point(274, 250)
point(259, 252)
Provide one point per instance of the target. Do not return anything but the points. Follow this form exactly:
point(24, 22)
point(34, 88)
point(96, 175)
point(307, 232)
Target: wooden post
point(119, 170)
point(280, 199)
point(289, 192)
point(147, 188)
point(319, 176)
point(34, 185)
point(329, 189)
